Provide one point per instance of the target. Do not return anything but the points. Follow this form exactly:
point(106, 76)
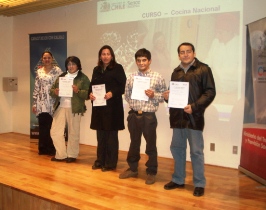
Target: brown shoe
point(127, 174)
point(150, 179)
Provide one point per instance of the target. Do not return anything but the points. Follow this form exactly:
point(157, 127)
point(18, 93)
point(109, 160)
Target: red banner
point(253, 151)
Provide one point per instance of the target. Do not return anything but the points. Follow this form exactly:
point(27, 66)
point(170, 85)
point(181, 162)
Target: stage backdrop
point(253, 151)
point(56, 43)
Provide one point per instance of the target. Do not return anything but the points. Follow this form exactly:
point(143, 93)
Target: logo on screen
point(261, 71)
point(105, 7)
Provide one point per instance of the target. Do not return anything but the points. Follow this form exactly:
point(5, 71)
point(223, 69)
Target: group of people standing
point(55, 112)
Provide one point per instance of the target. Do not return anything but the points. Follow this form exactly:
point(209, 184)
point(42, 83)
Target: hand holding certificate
point(65, 86)
point(99, 93)
point(139, 86)
point(178, 95)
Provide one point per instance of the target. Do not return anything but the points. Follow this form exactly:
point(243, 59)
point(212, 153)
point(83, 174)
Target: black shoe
point(198, 191)
point(107, 169)
point(96, 166)
point(57, 160)
point(70, 160)
point(171, 185)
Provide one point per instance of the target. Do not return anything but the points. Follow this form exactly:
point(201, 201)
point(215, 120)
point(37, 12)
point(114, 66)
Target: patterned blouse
point(43, 83)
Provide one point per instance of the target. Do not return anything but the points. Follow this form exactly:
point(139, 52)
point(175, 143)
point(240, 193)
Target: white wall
point(75, 19)
point(6, 113)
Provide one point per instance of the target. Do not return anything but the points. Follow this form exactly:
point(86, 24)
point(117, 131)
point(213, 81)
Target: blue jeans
point(178, 149)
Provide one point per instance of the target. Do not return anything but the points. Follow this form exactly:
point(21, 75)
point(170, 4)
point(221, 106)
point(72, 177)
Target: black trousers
point(45, 144)
point(107, 148)
point(145, 124)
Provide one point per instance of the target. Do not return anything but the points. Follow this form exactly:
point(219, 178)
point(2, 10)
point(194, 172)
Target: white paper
point(99, 92)
point(65, 86)
point(140, 84)
point(178, 96)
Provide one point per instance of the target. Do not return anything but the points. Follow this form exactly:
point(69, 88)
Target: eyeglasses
point(185, 52)
point(71, 64)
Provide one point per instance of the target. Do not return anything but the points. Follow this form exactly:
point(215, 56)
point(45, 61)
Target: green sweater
point(78, 99)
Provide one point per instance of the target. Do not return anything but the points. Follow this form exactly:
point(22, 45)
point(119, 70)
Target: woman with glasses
point(69, 107)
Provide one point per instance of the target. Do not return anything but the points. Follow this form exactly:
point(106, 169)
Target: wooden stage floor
point(48, 184)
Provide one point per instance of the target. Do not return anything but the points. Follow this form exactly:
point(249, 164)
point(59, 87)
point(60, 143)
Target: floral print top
point(43, 83)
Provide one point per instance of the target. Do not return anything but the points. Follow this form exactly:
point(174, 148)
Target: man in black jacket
point(188, 123)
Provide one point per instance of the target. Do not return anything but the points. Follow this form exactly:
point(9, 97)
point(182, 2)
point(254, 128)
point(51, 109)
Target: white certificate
point(65, 86)
point(99, 92)
point(178, 96)
point(140, 84)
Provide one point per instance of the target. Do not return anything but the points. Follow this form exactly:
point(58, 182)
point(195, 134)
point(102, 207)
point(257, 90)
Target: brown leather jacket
point(201, 94)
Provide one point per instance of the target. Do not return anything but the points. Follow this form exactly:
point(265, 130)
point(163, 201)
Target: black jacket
point(110, 117)
point(201, 94)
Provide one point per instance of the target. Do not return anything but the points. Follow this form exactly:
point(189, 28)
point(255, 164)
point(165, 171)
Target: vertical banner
point(56, 43)
point(253, 150)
